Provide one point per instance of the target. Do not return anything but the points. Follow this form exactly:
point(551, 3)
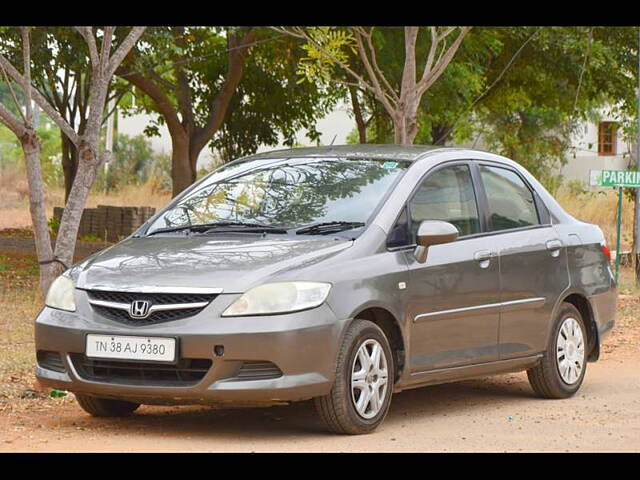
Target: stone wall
point(110, 223)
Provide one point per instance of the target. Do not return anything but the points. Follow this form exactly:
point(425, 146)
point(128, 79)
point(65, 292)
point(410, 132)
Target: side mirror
point(433, 232)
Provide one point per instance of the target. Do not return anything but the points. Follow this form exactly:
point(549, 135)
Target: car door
point(533, 260)
point(453, 298)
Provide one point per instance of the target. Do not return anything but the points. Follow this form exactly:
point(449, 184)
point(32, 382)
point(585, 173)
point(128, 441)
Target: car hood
point(233, 263)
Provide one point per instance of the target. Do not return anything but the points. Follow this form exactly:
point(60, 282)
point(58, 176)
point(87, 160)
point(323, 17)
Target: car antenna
point(334, 139)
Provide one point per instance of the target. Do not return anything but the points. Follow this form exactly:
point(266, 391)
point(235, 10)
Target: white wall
point(585, 154)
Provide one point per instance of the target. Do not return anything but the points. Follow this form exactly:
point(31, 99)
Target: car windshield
point(287, 194)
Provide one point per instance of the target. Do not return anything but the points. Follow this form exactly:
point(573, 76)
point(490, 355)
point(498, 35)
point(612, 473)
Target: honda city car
point(342, 274)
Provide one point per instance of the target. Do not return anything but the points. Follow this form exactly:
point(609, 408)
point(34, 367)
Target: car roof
point(412, 153)
point(382, 152)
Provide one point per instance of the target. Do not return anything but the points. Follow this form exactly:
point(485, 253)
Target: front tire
point(562, 368)
point(361, 393)
point(104, 407)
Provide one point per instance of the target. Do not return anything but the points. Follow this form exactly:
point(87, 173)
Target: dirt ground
point(492, 414)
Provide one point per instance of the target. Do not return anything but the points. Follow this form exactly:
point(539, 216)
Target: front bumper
point(303, 345)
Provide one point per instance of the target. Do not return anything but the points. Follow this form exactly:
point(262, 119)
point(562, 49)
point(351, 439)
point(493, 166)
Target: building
point(598, 146)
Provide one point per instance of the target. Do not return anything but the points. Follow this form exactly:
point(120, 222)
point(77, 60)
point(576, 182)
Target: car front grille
point(187, 372)
point(171, 306)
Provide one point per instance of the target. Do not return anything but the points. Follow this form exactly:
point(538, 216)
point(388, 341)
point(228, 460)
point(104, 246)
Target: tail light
point(606, 251)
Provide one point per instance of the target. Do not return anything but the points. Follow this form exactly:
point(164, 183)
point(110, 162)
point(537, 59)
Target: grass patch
point(20, 301)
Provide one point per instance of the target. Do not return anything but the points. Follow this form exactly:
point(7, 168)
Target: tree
point(329, 48)
point(461, 82)
point(543, 83)
point(170, 47)
point(103, 65)
point(203, 88)
point(519, 91)
point(62, 74)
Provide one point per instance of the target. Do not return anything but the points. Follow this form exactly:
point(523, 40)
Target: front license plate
point(156, 349)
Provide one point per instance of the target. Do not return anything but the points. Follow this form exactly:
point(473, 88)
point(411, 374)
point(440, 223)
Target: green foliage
point(551, 182)
point(90, 237)
point(576, 188)
point(522, 102)
point(54, 226)
point(160, 173)
point(329, 47)
point(12, 156)
point(132, 163)
point(268, 107)
point(532, 112)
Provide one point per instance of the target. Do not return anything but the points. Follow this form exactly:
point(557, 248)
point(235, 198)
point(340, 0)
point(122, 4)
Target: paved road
point(492, 414)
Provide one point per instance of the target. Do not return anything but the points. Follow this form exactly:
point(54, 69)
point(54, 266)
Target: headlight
point(61, 294)
point(282, 297)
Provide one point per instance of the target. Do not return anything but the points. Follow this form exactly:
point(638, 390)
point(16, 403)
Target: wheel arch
point(389, 324)
point(581, 302)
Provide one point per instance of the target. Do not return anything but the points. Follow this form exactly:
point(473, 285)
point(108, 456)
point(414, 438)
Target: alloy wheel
point(369, 379)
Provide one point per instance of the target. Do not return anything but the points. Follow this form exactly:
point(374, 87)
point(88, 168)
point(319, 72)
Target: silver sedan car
point(341, 274)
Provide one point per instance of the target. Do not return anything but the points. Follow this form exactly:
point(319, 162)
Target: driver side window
point(446, 195)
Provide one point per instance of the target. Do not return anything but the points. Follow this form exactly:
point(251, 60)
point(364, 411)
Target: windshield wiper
point(204, 227)
point(245, 227)
point(328, 227)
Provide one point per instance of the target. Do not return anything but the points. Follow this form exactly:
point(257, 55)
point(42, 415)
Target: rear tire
point(104, 407)
point(561, 371)
point(361, 393)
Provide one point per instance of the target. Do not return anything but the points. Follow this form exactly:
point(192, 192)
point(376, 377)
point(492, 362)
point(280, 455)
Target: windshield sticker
point(389, 164)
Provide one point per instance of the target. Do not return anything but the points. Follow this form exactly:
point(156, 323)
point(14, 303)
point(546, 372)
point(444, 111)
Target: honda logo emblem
point(139, 309)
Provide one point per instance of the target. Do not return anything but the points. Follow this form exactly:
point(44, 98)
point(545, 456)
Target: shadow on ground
point(300, 419)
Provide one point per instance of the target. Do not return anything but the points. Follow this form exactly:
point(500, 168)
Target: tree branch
point(377, 89)
point(374, 61)
point(490, 87)
point(26, 86)
point(13, 94)
point(87, 34)
point(123, 49)
point(183, 93)
point(160, 99)
point(299, 33)
point(105, 51)
point(430, 77)
point(237, 53)
point(41, 101)
point(409, 70)
point(12, 122)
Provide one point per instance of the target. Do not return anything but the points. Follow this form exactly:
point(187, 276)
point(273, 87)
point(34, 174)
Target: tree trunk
point(440, 133)
point(182, 174)
point(87, 170)
point(357, 113)
point(193, 162)
point(44, 252)
point(69, 163)
point(400, 134)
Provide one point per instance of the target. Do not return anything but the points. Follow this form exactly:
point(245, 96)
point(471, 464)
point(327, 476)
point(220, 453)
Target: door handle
point(554, 247)
point(483, 257)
